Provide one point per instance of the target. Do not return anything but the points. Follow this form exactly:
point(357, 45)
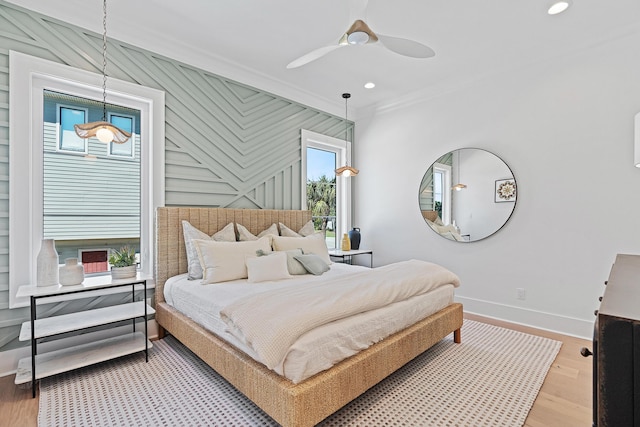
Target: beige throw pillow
point(314, 244)
point(191, 233)
point(223, 261)
point(244, 235)
point(268, 268)
point(294, 266)
point(307, 230)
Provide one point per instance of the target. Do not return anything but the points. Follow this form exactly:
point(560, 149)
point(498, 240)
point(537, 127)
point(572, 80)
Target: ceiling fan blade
point(406, 47)
point(312, 56)
point(357, 10)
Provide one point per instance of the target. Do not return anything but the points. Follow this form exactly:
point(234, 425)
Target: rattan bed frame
point(306, 403)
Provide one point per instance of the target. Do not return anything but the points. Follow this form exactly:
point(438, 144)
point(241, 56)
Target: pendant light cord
point(346, 97)
point(104, 61)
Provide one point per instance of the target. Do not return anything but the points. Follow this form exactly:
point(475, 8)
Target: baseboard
point(565, 325)
point(10, 358)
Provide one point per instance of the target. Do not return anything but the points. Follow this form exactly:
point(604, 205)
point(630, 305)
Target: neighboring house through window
point(84, 208)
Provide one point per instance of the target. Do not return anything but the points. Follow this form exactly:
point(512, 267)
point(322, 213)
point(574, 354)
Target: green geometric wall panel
point(227, 144)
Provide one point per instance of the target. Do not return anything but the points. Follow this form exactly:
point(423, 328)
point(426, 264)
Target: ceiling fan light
point(358, 38)
point(558, 6)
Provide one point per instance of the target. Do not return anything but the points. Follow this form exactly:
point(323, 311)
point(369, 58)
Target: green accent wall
point(227, 144)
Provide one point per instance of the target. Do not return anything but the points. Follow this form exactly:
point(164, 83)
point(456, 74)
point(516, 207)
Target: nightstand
point(347, 256)
point(43, 365)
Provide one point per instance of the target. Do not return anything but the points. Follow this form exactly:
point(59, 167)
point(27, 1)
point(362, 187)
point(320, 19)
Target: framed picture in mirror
point(505, 191)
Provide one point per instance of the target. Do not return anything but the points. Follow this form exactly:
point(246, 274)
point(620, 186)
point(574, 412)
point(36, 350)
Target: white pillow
point(223, 261)
point(267, 268)
point(294, 266)
point(244, 235)
point(191, 233)
point(314, 244)
point(307, 230)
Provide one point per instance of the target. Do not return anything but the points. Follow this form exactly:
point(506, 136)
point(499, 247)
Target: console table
point(43, 365)
point(347, 256)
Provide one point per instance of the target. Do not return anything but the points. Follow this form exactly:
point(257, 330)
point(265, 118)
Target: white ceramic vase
point(71, 273)
point(47, 264)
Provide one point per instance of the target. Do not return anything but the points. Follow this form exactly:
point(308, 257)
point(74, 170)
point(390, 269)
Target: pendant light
point(103, 130)
point(459, 186)
point(347, 170)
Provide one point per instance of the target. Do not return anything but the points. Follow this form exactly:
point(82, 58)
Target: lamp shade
point(347, 171)
point(101, 131)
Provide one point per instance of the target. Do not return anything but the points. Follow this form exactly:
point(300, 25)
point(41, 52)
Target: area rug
point(491, 379)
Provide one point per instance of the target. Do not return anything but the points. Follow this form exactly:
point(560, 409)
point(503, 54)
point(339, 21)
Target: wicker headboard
point(171, 257)
point(430, 215)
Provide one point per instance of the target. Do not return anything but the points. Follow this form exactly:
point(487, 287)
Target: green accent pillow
point(312, 263)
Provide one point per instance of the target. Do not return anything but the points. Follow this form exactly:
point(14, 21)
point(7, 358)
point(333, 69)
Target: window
point(327, 196)
point(29, 77)
point(94, 261)
point(126, 123)
point(321, 192)
point(442, 191)
point(66, 117)
point(79, 210)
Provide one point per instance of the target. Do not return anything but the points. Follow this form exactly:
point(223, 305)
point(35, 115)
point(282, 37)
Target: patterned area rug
point(491, 379)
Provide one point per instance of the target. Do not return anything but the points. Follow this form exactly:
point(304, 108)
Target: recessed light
point(558, 6)
point(369, 85)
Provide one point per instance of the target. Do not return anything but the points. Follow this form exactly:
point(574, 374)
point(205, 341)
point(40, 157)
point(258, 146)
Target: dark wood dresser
point(617, 347)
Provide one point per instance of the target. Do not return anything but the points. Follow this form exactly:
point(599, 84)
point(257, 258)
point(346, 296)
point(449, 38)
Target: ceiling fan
point(359, 34)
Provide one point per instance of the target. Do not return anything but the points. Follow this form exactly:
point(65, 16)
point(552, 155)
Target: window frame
point(59, 148)
point(342, 149)
point(28, 77)
point(446, 191)
point(132, 139)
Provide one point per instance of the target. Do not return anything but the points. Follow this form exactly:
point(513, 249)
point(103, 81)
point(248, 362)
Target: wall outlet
point(521, 294)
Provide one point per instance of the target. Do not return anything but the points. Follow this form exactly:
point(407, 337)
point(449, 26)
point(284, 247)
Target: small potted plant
point(123, 263)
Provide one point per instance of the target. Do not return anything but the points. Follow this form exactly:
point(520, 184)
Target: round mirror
point(467, 195)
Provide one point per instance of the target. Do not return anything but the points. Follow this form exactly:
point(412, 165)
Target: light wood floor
point(563, 401)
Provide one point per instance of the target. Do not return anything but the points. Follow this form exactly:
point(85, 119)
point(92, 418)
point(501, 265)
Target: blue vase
point(354, 236)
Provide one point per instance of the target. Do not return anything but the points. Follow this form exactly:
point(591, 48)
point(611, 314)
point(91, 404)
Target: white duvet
point(306, 352)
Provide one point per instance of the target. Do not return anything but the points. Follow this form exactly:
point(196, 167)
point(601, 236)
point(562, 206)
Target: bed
point(311, 400)
point(448, 231)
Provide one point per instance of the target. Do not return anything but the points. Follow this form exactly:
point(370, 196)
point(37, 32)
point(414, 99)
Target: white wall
point(565, 127)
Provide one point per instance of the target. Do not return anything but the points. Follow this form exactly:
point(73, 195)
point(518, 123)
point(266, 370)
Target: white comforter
point(271, 321)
